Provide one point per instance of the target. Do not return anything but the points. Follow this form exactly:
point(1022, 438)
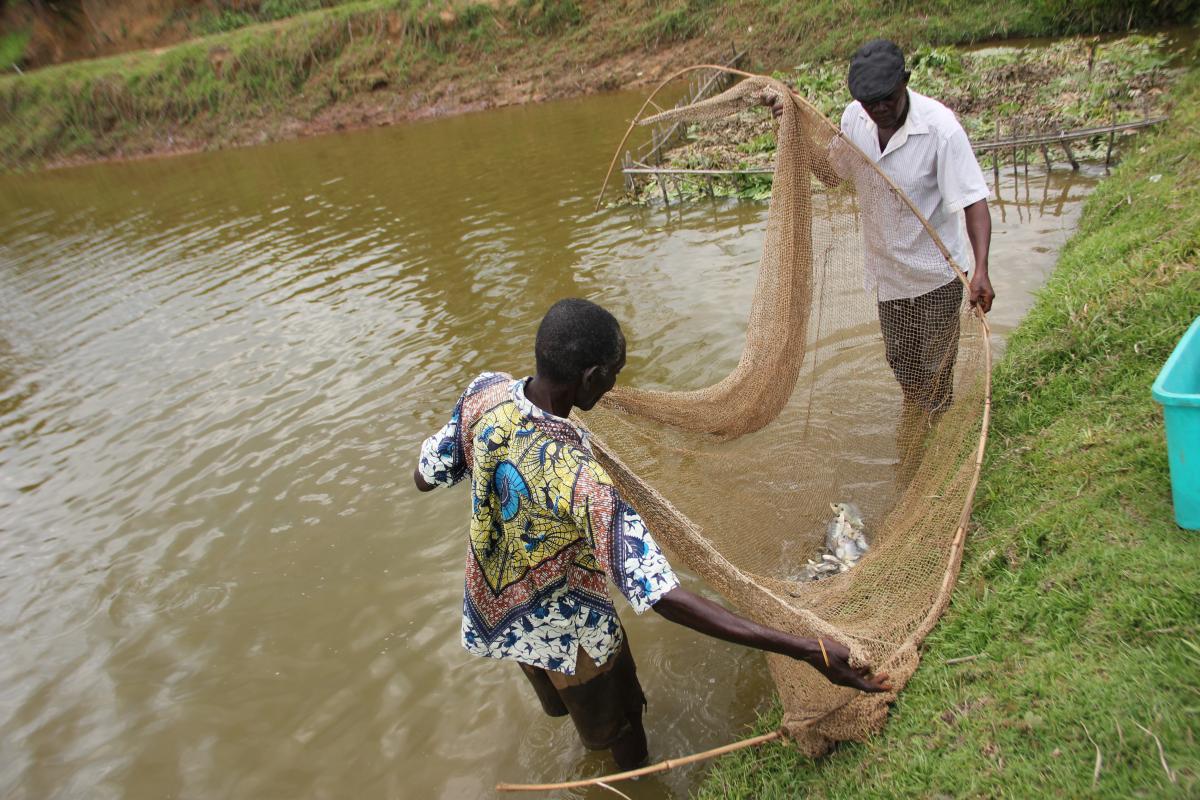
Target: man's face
point(599, 382)
point(887, 113)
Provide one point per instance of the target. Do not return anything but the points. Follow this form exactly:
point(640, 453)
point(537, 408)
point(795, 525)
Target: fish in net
point(737, 477)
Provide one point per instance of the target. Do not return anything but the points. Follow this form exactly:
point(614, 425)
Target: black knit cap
point(876, 69)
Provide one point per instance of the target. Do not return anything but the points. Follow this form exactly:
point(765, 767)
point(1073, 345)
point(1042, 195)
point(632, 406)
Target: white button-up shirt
point(929, 158)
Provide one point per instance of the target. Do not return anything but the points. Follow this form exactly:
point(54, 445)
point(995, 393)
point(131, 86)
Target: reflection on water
point(215, 579)
point(1033, 214)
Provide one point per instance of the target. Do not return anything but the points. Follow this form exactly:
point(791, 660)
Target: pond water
point(216, 579)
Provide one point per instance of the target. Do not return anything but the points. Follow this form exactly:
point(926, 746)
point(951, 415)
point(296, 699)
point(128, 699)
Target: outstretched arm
point(712, 619)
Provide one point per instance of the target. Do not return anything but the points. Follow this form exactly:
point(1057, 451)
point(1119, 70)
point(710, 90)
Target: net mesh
point(836, 398)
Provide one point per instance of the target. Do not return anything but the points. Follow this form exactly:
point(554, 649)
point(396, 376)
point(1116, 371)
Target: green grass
point(211, 90)
point(1077, 588)
point(12, 49)
point(824, 29)
point(231, 18)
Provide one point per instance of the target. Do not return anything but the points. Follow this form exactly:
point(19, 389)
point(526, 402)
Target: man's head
point(580, 344)
point(879, 81)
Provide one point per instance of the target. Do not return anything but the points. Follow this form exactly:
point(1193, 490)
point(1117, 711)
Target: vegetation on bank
point(1078, 597)
point(393, 57)
point(998, 92)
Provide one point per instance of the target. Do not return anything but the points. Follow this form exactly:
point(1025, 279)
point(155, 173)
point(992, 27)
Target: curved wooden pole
point(661, 766)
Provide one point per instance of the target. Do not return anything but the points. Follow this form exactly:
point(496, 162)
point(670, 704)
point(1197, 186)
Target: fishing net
point(837, 398)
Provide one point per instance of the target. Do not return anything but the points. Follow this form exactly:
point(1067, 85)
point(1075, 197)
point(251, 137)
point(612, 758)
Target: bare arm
point(979, 231)
point(712, 619)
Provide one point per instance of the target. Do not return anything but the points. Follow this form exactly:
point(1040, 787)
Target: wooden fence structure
point(1022, 142)
point(663, 137)
point(1017, 144)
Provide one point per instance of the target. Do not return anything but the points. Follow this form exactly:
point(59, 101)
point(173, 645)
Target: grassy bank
point(378, 61)
point(1078, 593)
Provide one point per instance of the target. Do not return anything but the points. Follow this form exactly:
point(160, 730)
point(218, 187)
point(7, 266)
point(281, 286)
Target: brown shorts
point(604, 702)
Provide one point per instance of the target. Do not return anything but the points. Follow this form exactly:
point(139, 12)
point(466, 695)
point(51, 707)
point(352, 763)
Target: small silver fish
point(845, 544)
point(844, 537)
point(850, 513)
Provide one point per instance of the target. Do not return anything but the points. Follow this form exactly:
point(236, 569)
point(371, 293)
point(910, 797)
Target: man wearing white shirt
point(920, 145)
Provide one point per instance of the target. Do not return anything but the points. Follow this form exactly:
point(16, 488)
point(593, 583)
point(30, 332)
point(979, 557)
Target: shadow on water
point(215, 580)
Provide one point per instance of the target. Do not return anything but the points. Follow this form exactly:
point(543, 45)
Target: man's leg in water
point(630, 751)
point(604, 702)
point(920, 337)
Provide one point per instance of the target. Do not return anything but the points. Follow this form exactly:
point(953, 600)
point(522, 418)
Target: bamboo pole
point(681, 171)
point(1028, 203)
point(661, 766)
point(1071, 135)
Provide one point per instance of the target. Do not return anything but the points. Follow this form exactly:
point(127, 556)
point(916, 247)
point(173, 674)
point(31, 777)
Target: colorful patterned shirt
point(548, 528)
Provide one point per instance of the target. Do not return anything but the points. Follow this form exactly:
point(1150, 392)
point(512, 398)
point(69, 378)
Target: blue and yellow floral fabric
point(548, 528)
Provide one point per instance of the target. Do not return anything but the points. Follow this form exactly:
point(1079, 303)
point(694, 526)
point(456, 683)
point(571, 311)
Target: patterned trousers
point(920, 337)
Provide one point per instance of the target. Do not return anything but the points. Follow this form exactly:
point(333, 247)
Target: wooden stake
point(1014, 154)
point(1108, 153)
point(996, 161)
point(1025, 157)
point(1070, 156)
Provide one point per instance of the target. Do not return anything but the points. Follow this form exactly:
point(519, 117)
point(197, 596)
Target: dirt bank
point(386, 105)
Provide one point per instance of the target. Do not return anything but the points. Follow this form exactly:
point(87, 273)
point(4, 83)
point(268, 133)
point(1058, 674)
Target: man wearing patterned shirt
point(549, 531)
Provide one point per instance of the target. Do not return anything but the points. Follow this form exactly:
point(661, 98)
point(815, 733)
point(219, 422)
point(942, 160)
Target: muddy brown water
point(215, 577)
